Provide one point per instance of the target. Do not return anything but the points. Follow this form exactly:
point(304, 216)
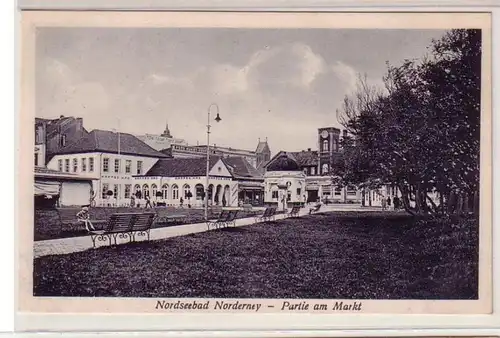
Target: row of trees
point(421, 132)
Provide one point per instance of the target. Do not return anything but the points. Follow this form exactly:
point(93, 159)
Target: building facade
point(317, 166)
point(114, 158)
point(284, 182)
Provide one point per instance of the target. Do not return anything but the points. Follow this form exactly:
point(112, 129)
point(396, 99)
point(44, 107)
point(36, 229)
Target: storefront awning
point(249, 186)
point(47, 188)
point(312, 187)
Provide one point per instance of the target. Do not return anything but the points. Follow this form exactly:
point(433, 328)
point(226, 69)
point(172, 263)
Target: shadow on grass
point(329, 255)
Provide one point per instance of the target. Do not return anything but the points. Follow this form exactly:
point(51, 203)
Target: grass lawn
point(332, 255)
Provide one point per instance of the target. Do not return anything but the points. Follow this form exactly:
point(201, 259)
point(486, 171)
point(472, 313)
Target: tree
point(422, 134)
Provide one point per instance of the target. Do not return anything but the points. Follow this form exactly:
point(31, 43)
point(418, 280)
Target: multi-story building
point(51, 135)
point(317, 166)
point(114, 158)
point(179, 148)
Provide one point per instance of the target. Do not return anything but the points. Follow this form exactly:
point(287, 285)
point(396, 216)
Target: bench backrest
point(232, 215)
point(223, 216)
point(273, 211)
point(143, 221)
point(267, 212)
point(119, 222)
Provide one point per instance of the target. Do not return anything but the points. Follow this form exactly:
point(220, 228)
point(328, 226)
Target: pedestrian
point(396, 203)
point(384, 203)
point(148, 202)
point(84, 216)
point(132, 201)
point(181, 201)
point(389, 202)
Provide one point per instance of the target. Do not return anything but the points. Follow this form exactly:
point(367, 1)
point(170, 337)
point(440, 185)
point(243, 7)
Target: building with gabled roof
point(113, 157)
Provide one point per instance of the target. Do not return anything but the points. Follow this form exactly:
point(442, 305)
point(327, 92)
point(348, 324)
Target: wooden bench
point(231, 219)
point(294, 212)
point(268, 214)
point(315, 208)
point(220, 220)
point(124, 225)
point(163, 216)
point(247, 207)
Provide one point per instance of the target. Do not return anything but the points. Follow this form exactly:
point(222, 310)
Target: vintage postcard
point(255, 163)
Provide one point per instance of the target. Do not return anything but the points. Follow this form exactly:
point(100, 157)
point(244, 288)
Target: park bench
point(315, 208)
point(123, 225)
point(231, 219)
point(294, 212)
point(163, 216)
point(220, 220)
point(268, 214)
point(247, 207)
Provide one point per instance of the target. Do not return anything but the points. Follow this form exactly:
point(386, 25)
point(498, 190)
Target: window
point(91, 164)
point(127, 190)
point(313, 170)
point(139, 167)
point(275, 194)
point(84, 164)
point(66, 165)
point(75, 165)
point(105, 164)
point(36, 159)
point(164, 189)
point(199, 191)
point(335, 145)
point(128, 166)
point(105, 188)
point(338, 191)
point(145, 190)
point(325, 145)
point(63, 140)
point(175, 192)
point(60, 165)
point(298, 191)
point(324, 169)
point(137, 189)
point(351, 190)
point(305, 171)
point(154, 189)
point(187, 189)
point(116, 190)
point(117, 165)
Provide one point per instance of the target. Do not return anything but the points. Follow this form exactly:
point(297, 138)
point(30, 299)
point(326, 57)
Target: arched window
point(199, 191)
point(324, 168)
point(187, 190)
point(154, 189)
point(325, 145)
point(145, 191)
point(175, 192)
point(164, 189)
point(137, 188)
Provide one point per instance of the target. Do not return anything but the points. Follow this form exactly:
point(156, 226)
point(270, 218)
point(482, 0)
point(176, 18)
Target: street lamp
point(217, 119)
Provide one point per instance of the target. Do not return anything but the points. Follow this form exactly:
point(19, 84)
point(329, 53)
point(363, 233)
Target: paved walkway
point(75, 244)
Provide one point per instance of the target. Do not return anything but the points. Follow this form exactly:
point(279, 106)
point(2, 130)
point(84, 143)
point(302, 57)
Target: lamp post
point(217, 119)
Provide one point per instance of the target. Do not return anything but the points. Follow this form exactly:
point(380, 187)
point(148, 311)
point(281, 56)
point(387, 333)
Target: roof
point(107, 142)
point(49, 173)
point(283, 162)
point(305, 158)
point(241, 168)
point(179, 167)
point(262, 147)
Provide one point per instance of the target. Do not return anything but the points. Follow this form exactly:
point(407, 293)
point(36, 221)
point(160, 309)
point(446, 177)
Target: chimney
point(79, 123)
point(308, 149)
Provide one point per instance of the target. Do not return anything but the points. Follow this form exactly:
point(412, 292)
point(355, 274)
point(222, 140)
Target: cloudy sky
point(280, 84)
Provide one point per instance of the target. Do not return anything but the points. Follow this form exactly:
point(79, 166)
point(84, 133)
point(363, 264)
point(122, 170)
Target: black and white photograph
point(260, 169)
